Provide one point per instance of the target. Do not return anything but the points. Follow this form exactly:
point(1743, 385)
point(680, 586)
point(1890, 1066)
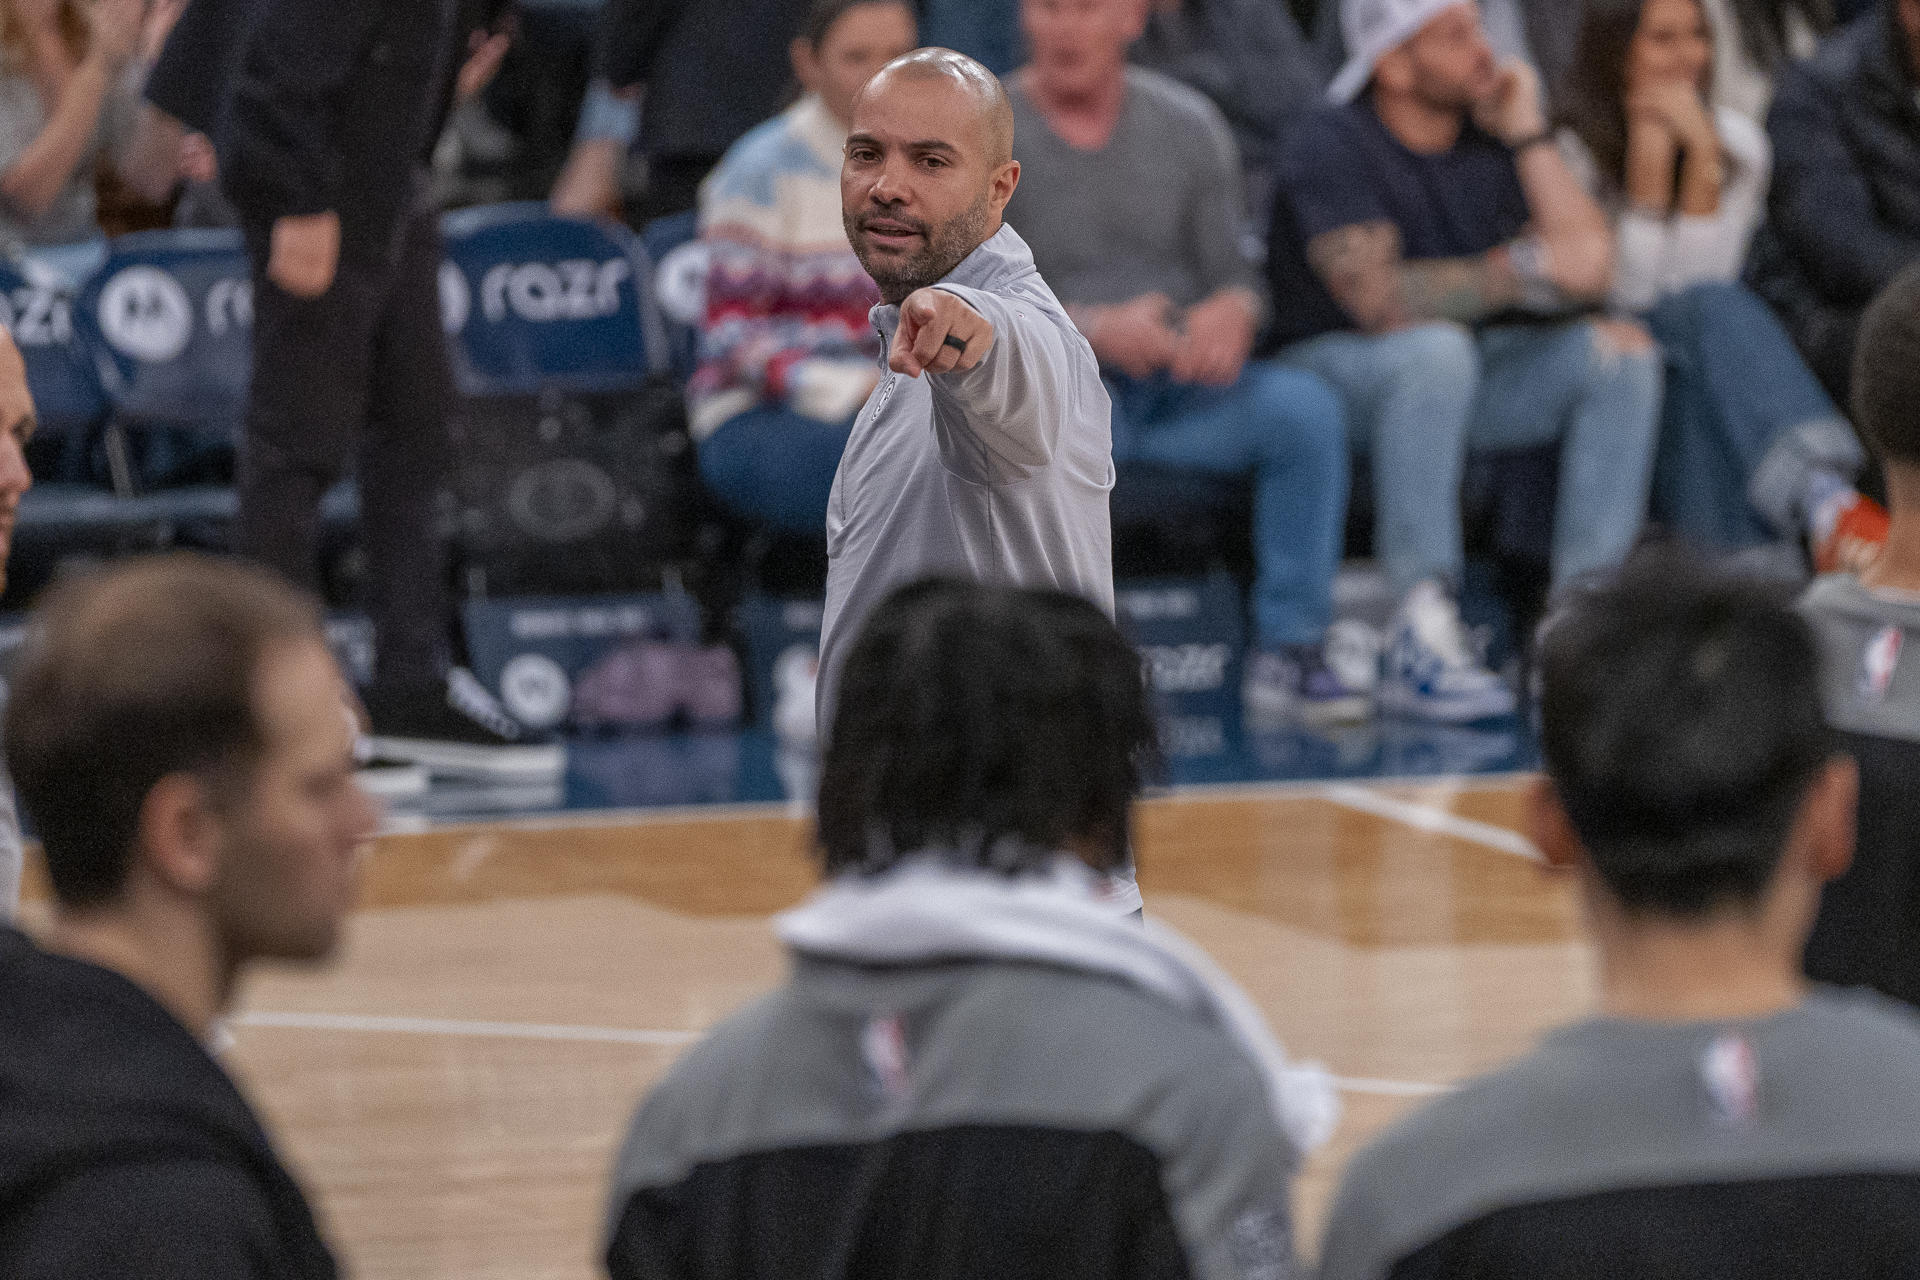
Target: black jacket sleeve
point(287, 103)
point(631, 33)
point(166, 1220)
point(1823, 206)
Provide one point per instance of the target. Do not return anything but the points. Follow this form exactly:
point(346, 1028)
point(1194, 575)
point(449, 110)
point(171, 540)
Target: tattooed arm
point(1363, 268)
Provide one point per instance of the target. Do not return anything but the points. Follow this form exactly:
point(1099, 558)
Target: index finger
point(932, 336)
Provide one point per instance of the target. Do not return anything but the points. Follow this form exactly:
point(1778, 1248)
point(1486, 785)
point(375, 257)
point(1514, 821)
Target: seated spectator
point(1130, 199)
point(1719, 1117)
point(1251, 61)
point(1868, 933)
point(709, 73)
point(976, 1068)
point(1433, 257)
point(1845, 205)
point(1752, 449)
point(65, 99)
point(180, 739)
point(1540, 33)
point(788, 355)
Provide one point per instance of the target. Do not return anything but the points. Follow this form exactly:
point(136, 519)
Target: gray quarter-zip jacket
point(998, 474)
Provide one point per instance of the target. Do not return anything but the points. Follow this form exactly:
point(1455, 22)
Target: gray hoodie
point(999, 474)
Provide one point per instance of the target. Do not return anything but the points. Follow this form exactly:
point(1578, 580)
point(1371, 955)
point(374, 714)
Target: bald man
point(986, 450)
point(17, 423)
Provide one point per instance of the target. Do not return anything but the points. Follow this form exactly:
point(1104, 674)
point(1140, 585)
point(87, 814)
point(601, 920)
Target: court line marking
point(552, 1032)
point(1204, 792)
point(356, 1022)
point(1436, 821)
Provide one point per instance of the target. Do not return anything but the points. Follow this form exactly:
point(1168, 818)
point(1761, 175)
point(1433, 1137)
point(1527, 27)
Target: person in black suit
point(324, 144)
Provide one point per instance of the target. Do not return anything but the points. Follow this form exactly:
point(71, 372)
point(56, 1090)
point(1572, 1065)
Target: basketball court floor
point(453, 1088)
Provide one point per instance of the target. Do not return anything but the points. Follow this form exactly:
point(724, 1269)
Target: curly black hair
point(996, 725)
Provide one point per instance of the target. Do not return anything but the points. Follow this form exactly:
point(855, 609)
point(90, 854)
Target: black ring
point(958, 344)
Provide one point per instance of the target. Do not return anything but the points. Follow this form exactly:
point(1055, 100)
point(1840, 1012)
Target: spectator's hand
point(1218, 339)
point(1138, 337)
point(117, 26)
point(1575, 263)
point(1677, 107)
point(1514, 111)
point(305, 254)
point(198, 163)
point(928, 318)
point(484, 53)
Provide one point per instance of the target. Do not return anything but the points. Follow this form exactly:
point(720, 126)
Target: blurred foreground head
point(993, 725)
point(1692, 770)
point(179, 737)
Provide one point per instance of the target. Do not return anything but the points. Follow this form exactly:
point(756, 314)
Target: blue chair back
point(169, 320)
point(534, 302)
point(66, 392)
point(679, 284)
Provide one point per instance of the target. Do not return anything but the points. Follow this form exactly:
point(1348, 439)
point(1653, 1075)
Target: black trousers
point(357, 376)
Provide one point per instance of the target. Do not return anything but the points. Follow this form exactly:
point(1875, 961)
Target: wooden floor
point(452, 1089)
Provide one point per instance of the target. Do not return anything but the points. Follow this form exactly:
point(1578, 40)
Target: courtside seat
point(534, 302)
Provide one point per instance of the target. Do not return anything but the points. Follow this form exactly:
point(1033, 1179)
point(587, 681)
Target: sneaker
point(1850, 536)
point(459, 730)
point(1298, 684)
point(1432, 672)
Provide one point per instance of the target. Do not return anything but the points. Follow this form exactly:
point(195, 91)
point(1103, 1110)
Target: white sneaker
point(1431, 670)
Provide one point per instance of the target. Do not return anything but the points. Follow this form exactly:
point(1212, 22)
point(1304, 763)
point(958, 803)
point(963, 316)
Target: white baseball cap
point(1375, 28)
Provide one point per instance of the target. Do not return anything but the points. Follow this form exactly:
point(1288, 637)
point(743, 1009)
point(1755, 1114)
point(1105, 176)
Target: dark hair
point(1593, 95)
point(1682, 728)
point(130, 675)
point(988, 722)
point(823, 15)
point(1886, 370)
point(1763, 27)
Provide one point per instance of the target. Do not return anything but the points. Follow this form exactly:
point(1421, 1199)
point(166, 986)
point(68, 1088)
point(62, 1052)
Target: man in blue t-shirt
point(1435, 261)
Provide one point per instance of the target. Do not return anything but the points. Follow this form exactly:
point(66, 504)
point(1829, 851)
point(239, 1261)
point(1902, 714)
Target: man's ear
point(180, 835)
point(1829, 819)
point(1551, 829)
point(1006, 180)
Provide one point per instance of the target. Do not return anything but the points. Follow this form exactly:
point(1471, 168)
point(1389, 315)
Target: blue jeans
point(1420, 398)
point(1285, 429)
point(1746, 422)
point(775, 466)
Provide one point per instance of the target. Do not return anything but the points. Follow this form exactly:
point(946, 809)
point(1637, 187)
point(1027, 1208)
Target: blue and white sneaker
point(1432, 672)
point(1297, 685)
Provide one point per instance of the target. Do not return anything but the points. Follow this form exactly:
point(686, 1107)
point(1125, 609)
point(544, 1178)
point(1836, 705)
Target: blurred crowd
point(1333, 253)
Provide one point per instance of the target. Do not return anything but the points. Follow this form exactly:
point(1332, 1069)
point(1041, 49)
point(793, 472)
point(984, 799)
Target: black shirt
point(124, 1149)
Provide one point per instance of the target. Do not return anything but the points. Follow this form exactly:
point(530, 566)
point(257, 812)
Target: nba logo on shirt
point(1731, 1075)
point(883, 1044)
point(1878, 664)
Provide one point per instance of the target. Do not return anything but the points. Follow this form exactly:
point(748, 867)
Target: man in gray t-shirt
point(984, 451)
point(1133, 202)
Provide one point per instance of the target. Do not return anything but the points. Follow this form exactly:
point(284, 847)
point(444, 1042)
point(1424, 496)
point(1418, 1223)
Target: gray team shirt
point(1866, 686)
point(998, 474)
point(1831, 1087)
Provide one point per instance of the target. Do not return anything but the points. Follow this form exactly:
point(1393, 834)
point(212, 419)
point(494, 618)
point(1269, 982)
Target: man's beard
point(942, 249)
